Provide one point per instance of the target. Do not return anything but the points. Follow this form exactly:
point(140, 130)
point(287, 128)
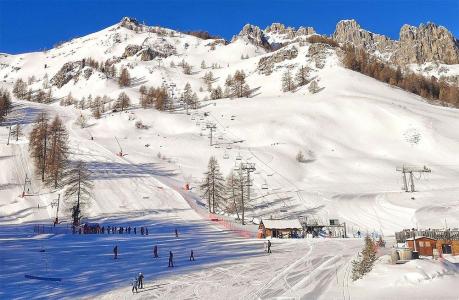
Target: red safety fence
point(222, 221)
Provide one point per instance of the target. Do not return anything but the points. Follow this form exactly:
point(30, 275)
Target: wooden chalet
point(280, 228)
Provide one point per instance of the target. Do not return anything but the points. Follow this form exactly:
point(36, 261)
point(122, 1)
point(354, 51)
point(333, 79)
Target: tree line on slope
point(49, 149)
point(429, 88)
point(226, 194)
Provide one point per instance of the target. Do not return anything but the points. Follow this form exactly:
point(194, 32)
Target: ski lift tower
point(249, 168)
point(211, 127)
point(410, 170)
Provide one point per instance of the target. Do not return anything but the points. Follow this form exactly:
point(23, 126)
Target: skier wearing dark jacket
point(115, 252)
point(140, 281)
point(171, 262)
point(155, 252)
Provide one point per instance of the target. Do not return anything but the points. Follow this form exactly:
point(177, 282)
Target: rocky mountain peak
point(129, 23)
point(253, 34)
point(349, 31)
point(428, 42)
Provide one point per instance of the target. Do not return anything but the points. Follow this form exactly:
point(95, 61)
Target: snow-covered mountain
point(352, 130)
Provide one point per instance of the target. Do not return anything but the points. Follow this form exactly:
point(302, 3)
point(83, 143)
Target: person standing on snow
point(140, 281)
point(115, 252)
point(171, 262)
point(135, 284)
point(176, 232)
point(146, 231)
point(269, 246)
point(192, 255)
point(135, 230)
point(155, 252)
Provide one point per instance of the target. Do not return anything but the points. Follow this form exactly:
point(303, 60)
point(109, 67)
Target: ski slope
point(354, 133)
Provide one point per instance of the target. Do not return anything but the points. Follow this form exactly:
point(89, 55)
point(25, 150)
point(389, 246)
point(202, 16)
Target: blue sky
point(32, 25)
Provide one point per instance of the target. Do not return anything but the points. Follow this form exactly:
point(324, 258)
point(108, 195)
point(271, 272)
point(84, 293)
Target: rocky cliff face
point(426, 43)
point(253, 34)
point(349, 31)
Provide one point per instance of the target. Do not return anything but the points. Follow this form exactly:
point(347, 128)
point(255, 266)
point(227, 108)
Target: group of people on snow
point(97, 229)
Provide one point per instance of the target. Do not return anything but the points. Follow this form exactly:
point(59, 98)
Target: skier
point(115, 251)
point(146, 231)
point(108, 229)
point(140, 281)
point(191, 255)
point(134, 284)
point(155, 252)
point(141, 230)
point(129, 229)
point(269, 246)
point(171, 262)
point(135, 230)
point(358, 233)
point(176, 232)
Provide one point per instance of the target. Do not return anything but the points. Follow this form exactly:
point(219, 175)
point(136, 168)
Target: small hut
point(424, 245)
point(280, 228)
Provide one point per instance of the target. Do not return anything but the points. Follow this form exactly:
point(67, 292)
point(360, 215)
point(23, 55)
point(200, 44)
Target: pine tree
point(243, 186)
point(125, 78)
point(123, 101)
point(302, 76)
point(96, 107)
point(232, 194)
point(20, 89)
point(5, 104)
point(213, 187)
point(38, 144)
point(78, 189)
point(287, 82)
point(216, 93)
point(17, 132)
point(57, 153)
point(239, 88)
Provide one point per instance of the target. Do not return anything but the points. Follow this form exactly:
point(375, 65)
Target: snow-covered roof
point(420, 237)
point(282, 224)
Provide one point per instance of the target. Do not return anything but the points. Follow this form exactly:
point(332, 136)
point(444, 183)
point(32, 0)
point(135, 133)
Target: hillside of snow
point(354, 133)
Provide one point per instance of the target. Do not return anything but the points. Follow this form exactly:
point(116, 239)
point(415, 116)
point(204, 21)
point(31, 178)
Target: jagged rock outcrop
point(129, 23)
point(426, 43)
point(281, 29)
point(131, 50)
point(67, 72)
point(266, 64)
point(87, 72)
point(150, 54)
point(349, 31)
point(289, 32)
point(253, 34)
point(305, 31)
point(318, 53)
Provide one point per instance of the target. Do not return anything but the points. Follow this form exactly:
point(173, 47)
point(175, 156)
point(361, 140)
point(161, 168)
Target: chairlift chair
point(228, 147)
point(217, 146)
point(264, 186)
point(239, 157)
